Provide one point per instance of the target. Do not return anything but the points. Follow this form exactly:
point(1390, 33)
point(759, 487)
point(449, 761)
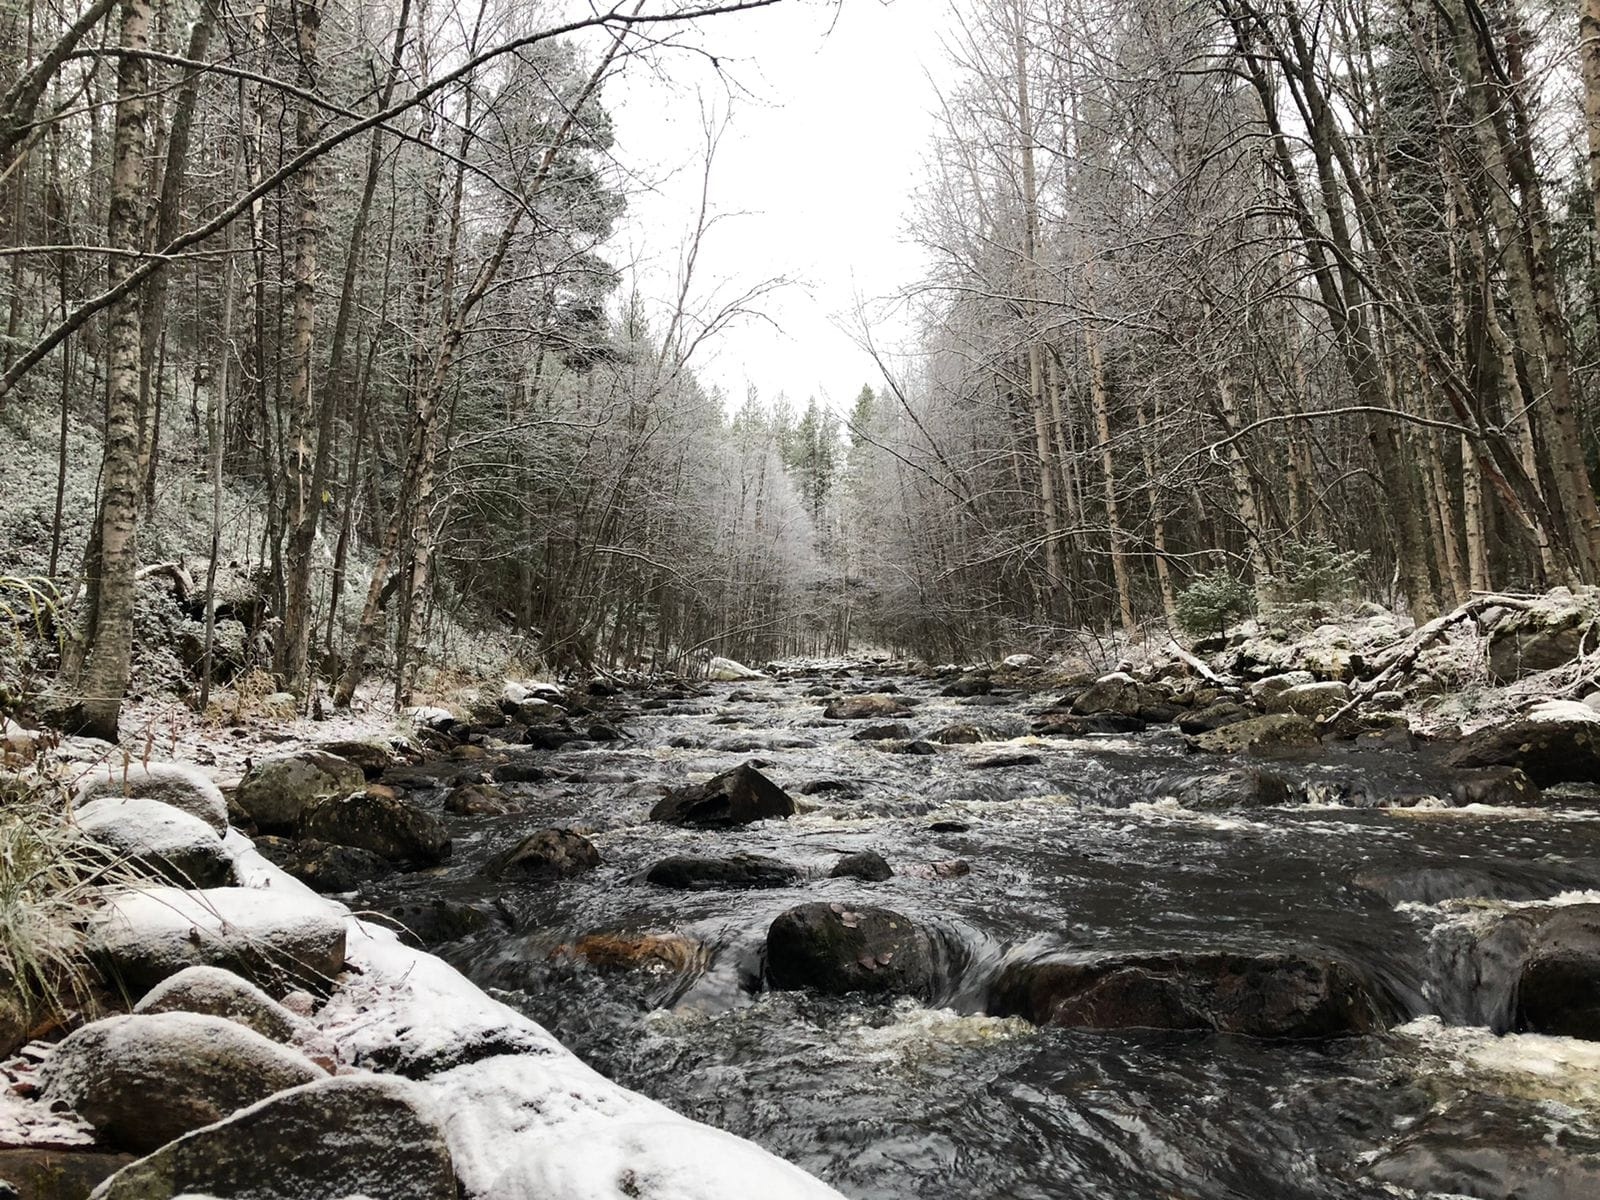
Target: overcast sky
point(830, 116)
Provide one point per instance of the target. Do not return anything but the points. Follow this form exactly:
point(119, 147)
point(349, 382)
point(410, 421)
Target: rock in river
point(735, 797)
point(277, 793)
point(1258, 735)
point(1261, 995)
point(838, 948)
point(382, 824)
point(547, 854)
point(861, 708)
point(687, 873)
point(1557, 742)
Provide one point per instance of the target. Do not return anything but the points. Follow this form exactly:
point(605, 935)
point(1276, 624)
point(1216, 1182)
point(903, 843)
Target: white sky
point(831, 109)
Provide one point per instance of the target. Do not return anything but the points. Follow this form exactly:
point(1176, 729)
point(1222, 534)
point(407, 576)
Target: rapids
point(1079, 846)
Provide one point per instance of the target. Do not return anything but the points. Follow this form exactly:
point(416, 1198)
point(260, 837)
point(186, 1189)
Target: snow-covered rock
point(218, 993)
point(1016, 662)
point(16, 743)
point(183, 787)
point(143, 1079)
point(1557, 741)
point(430, 716)
point(342, 1137)
point(158, 838)
point(278, 939)
point(726, 670)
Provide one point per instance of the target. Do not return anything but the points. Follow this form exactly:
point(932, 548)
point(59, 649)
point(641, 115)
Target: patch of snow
point(1020, 660)
point(726, 670)
point(1563, 710)
point(430, 716)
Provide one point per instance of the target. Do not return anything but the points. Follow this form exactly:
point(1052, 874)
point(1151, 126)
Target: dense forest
point(1219, 296)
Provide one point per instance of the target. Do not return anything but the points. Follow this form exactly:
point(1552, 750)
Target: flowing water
point(1079, 847)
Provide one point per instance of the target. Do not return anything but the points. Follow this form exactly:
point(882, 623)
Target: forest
point(1218, 297)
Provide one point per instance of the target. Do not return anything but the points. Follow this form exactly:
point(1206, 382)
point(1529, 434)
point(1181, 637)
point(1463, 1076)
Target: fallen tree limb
point(1407, 653)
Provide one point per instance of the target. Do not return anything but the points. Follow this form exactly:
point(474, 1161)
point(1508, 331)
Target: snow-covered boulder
point(1262, 691)
point(1015, 662)
point(343, 1137)
point(214, 992)
point(276, 793)
point(430, 716)
point(1555, 742)
point(183, 787)
point(726, 670)
point(157, 838)
point(277, 939)
point(1550, 633)
point(142, 1080)
point(1117, 692)
point(1312, 699)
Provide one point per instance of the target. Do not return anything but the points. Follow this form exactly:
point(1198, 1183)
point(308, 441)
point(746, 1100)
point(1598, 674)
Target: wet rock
point(1214, 716)
point(658, 953)
point(838, 948)
point(1506, 787)
point(374, 758)
point(687, 873)
point(882, 733)
point(1067, 725)
point(962, 734)
point(436, 922)
point(867, 707)
point(382, 824)
point(277, 793)
point(534, 711)
point(915, 747)
point(949, 827)
point(213, 992)
point(1259, 735)
point(1241, 787)
point(818, 787)
point(185, 788)
point(550, 737)
point(995, 762)
point(547, 854)
point(278, 940)
point(479, 800)
point(1492, 1149)
point(518, 772)
point(968, 685)
point(1558, 742)
point(347, 1136)
point(1117, 693)
point(145, 1079)
point(158, 839)
point(735, 797)
point(863, 864)
point(323, 866)
point(1558, 991)
point(1259, 995)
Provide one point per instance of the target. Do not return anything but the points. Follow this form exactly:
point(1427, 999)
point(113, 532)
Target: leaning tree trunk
point(106, 632)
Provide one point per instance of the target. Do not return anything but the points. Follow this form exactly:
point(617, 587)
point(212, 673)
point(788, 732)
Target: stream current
point(1078, 847)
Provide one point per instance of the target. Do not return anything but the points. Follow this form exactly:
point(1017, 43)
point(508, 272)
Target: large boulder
point(726, 670)
point(1548, 634)
point(1214, 716)
point(159, 839)
point(1117, 693)
point(277, 793)
point(141, 1080)
point(1558, 990)
point(276, 939)
point(737, 871)
point(867, 865)
point(1270, 734)
point(374, 758)
point(1240, 787)
point(382, 824)
point(1311, 699)
point(185, 788)
point(213, 992)
point(347, 1136)
point(1260, 995)
point(973, 684)
point(735, 797)
point(322, 866)
point(1557, 742)
point(48, 1174)
point(838, 948)
point(547, 854)
point(874, 705)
